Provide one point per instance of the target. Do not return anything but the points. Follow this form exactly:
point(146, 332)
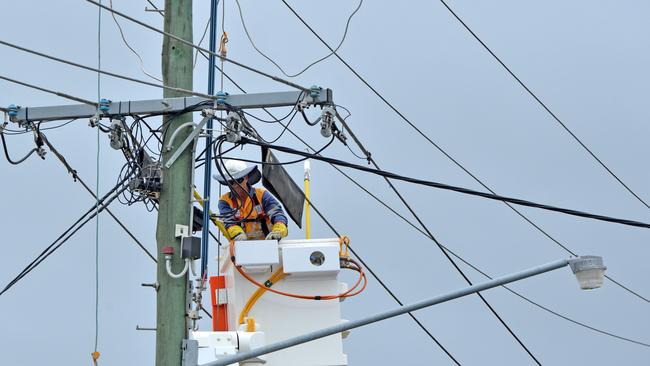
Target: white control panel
point(313, 257)
point(250, 253)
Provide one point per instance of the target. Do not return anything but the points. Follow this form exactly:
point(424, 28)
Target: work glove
point(278, 231)
point(240, 237)
point(274, 235)
point(236, 232)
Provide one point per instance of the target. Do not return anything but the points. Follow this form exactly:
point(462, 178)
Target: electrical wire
point(446, 154)
point(14, 132)
point(545, 107)
point(250, 39)
point(66, 235)
point(126, 43)
point(565, 317)
point(76, 178)
point(60, 94)
point(205, 31)
point(104, 72)
point(156, 8)
point(14, 162)
point(365, 265)
point(188, 43)
point(99, 78)
point(433, 184)
point(447, 249)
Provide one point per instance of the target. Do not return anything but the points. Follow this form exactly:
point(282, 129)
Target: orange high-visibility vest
point(251, 214)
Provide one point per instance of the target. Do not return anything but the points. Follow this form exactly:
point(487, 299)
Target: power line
point(99, 78)
point(205, 31)
point(465, 261)
point(448, 187)
point(365, 265)
point(553, 312)
point(545, 107)
point(60, 94)
point(190, 44)
point(76, 177)
point(250, 39)
point(447, 155)
point(104, 72)
point(126, 43)
point(58, 242)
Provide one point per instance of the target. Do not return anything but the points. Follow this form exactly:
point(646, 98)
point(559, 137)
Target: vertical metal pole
point(207, 170)
point(175, 204)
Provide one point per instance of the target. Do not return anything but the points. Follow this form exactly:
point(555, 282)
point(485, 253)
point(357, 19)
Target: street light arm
point(390, 313)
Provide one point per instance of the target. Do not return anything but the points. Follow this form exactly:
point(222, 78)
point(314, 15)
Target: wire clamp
point(234, 127)
point(327, 121)
point(207, 112)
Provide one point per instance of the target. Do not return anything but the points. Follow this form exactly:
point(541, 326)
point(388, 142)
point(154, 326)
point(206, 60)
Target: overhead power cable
point(250, 39)
point(545, 107)
point(104, 72)
point(126, 43)
point(448, 187)
point(451, 252)
point(205, 31)
point(391, 209)
point(62, 95)
point(188, 43)
point(542, 307)
point(68, 233)
point(365, 265)
point(76, 177)
point(455, 255)
point(451, 158)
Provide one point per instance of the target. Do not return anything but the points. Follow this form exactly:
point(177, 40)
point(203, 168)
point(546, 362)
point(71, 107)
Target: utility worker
point(249, 213)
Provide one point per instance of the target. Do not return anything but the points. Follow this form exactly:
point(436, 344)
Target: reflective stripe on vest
point(251, 218)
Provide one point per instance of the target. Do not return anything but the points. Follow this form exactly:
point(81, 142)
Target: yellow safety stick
point(218, 223)
point(307, 204)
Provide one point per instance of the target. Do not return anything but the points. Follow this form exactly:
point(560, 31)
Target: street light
point(589, 271)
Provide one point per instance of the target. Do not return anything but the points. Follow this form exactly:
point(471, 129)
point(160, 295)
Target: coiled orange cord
point(349, 293)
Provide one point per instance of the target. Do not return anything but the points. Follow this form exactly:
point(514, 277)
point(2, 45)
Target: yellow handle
point(307, 215)
point(218, 223)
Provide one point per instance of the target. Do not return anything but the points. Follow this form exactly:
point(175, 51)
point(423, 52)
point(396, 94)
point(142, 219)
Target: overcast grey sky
point(588, 60)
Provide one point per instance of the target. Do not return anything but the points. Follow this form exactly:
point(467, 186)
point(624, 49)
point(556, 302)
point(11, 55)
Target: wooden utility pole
point(172, 296)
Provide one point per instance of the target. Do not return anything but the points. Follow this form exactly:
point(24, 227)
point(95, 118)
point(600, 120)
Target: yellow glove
point(237, 233)
point(278, 231)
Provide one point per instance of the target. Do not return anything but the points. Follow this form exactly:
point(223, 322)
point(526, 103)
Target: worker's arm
point(276, 214)
point(227, 214)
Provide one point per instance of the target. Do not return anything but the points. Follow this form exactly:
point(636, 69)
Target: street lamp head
point(589, 271)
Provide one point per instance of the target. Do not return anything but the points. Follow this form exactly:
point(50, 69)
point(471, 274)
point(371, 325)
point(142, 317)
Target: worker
point(249, 213)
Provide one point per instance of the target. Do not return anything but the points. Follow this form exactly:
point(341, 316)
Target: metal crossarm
point(172, 105)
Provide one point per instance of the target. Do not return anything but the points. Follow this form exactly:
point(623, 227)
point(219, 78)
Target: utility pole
point(172, 296)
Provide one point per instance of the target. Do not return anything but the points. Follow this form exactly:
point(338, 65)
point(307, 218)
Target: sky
point(586, 60)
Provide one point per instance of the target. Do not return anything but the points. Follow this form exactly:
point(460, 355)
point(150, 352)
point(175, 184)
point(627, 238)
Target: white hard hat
point(237, 169)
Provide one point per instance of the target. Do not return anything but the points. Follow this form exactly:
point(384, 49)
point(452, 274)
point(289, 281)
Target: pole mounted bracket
point(189, 139)
point(190, 355)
